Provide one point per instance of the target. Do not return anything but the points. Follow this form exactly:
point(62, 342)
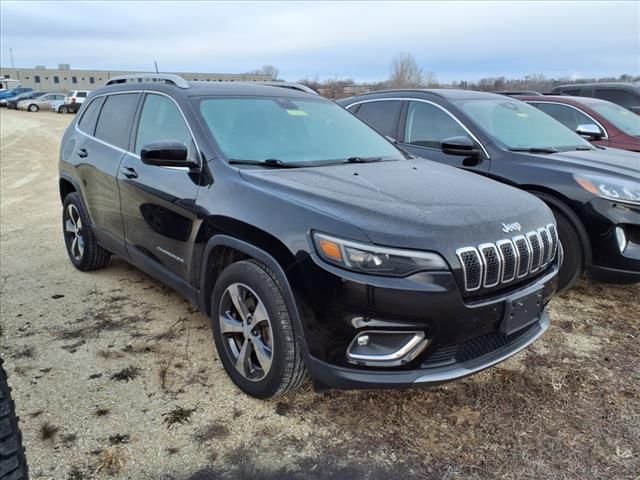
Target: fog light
point(621, 238)
point(378, 348)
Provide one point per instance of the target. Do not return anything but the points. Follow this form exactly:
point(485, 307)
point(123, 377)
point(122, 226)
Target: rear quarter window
point(87, 122)
point(116, 116)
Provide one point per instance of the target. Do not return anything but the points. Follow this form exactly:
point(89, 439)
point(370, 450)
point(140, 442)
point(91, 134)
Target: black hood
point(605, 161)
point(415, 204)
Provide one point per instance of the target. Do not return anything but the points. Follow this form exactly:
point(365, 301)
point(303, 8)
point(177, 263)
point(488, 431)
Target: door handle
point(82, 153)
point(129, 172)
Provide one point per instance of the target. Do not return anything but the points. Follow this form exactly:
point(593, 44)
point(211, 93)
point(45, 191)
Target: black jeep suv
point(594, 192)
point(311, 241)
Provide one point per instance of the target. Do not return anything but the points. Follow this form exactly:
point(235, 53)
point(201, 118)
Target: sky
point(457, 40)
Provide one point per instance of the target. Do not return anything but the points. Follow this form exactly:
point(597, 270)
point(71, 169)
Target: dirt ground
point(116, 376)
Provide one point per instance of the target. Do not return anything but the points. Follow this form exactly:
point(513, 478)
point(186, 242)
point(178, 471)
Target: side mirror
point(462, 146)
point(590, 131)
point(166, 154)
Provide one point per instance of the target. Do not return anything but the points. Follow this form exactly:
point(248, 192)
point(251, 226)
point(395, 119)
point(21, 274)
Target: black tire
point(13, 463)
point(91, 256)
point(573, 263)
point(64, 109)
point(33, 108)
point(287, 371)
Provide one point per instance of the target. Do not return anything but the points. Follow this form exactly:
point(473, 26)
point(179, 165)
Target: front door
point(158, 203)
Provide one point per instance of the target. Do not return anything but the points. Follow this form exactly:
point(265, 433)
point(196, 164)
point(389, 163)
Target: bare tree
point(266, 70)
point(270, 70)
point(405, 72)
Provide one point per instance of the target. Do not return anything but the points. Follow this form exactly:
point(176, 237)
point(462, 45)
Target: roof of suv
point(448, 93)
point(200, 88)
point(631, 85)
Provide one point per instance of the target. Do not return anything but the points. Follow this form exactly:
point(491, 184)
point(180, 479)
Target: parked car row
point(316, 245)
point(32, 101)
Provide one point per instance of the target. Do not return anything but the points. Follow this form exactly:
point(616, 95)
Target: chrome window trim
point(516, 255)
point(481, 249)
point(606, 134)
point(133, 154)
point(408, 99)
point(459, 253)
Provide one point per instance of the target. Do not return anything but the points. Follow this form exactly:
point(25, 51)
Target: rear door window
point(114, 122)
point(382, 115)
point(87, 122)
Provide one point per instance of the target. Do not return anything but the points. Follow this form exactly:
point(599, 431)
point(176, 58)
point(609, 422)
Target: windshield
point(296, 131)
point(624, 119)
point(518, 125)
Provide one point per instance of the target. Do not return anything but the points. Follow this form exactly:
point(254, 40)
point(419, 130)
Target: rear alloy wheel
point(84, 251)
point(33, 107)
point(253, 332)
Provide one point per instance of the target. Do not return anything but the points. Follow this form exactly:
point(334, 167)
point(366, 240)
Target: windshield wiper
point(363, 159)
point(269, 162)
point(584, 148)
point(534, 150)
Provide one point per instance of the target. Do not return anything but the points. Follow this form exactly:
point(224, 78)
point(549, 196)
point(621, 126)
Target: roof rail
point(169, 78)
point(289, 85)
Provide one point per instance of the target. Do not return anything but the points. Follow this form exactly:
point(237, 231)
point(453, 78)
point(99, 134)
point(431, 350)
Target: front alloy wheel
point(246, 331)
point(253, 331)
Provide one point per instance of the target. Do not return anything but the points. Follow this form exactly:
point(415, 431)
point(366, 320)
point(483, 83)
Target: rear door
point(158, 203)
point(426, 124)
point(106, 128)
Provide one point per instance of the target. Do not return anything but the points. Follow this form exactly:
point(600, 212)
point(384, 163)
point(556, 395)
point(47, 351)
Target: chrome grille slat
point(492, 264)
point(508, 259)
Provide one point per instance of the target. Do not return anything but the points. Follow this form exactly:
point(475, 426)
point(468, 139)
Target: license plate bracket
point(521, 311)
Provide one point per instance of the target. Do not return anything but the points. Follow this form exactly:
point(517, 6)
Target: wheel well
point(222, 256)
point(66, 187)
point(553, 200)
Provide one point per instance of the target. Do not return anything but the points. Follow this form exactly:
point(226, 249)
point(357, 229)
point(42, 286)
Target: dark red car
point(599, 121)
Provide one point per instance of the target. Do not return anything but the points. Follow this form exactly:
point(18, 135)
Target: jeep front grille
point(491, 264)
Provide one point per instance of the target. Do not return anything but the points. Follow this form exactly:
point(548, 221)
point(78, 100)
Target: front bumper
point(430, 373)
point(464, 333)
point(609, 263)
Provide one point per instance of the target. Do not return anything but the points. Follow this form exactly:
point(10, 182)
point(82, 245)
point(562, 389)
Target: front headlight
point(371, 259)
point(611, 188)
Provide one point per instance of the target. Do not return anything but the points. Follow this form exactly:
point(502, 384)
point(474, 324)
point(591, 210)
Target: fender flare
point(261, 256)
point(76, 184)
point(573, 218)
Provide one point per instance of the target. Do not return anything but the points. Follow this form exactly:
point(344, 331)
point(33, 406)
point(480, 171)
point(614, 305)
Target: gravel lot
point(115, 376)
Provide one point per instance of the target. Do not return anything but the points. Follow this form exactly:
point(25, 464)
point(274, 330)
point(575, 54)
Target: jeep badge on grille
point(511, 227)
